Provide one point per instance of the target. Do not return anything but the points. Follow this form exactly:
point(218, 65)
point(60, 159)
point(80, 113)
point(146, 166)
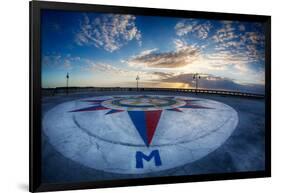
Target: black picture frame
point(35, 184)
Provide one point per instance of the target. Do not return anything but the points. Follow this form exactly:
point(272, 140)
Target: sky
point(111, 50)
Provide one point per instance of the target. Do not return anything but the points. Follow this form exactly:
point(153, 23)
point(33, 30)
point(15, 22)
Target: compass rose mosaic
point(138, 133)
point(144, 111)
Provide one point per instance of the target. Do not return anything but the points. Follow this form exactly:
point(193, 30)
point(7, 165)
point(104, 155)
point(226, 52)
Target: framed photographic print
point(125, 96)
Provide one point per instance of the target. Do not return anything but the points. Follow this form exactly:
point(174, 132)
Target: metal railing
point(64, 90)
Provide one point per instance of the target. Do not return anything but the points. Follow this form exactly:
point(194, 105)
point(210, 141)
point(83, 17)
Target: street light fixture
point(196, 77)
point(67, 77)
point(137, 78)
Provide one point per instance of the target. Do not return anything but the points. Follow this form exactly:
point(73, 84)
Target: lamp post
point(137, 79)
point(67, 77)
point(196, 77)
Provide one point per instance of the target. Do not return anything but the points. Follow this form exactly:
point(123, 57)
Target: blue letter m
point(154, 154)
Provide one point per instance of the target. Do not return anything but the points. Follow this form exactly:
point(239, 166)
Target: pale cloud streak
point(58, 61)
point(104, 67)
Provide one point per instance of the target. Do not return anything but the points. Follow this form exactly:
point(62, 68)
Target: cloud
point(109, 31)
point(238, 46)
point(117, 71)
point(242, 27)
point(103, 67)
point(255, 37)
point(147, 52)
point(182, 56)
point(236, 65)
point(208, 81)
point(58, 61)
point(192, 26)
point(162, 75)
point(228, 32)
